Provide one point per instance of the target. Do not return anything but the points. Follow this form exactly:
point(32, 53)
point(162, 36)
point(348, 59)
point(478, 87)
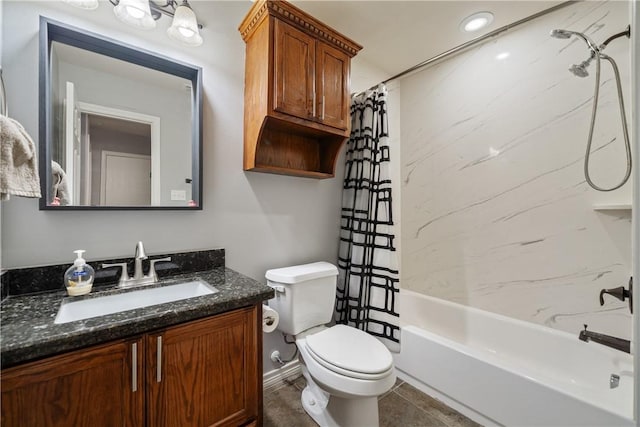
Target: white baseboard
point(276, 378)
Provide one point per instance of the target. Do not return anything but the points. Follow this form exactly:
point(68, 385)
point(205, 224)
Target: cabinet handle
point(134, 369)
point(322, 117)
point(313, 113)
point(159, 360)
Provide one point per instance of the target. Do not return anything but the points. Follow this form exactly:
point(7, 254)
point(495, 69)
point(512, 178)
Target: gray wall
point(263, 221)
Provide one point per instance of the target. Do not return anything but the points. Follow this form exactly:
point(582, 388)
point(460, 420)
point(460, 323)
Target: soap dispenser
point(79, 277)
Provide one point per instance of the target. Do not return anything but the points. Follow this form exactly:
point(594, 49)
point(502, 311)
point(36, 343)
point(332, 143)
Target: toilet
point(346, 369)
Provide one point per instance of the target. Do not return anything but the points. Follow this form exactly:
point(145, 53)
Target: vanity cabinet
point(90, 387)
point(204, 373)
point(201, 373)
point(297, 80)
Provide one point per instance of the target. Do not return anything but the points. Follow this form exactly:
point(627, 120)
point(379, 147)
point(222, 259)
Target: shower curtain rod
point(473, 42)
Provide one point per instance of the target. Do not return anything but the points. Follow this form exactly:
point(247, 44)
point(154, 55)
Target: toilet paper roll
point(270, 319)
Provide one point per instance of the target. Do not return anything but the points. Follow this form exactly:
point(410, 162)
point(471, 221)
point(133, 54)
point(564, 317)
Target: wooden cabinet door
point(93, 387)
point(294, 71)
point(332, 86)
point(204, 373)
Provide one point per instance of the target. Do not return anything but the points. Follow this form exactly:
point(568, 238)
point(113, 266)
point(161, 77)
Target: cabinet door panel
point(85, 388)
point(294, 71)
point(333, 86)
point(208, 372)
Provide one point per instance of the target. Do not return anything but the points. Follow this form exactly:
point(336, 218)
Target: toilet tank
point(305, 295)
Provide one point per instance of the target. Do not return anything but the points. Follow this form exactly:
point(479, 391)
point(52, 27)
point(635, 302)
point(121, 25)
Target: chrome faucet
point(138, 278)
point(139, 256)
point(608, 340)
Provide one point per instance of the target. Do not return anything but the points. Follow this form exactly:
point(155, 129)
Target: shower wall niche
point(496, 212)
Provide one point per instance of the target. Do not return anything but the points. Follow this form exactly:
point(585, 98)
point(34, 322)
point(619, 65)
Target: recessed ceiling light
point(476, 21)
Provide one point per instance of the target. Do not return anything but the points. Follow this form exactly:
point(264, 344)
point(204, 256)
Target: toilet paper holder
point(270, 319)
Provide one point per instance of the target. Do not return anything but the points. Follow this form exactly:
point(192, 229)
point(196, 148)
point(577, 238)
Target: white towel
point(18, 161)
point(59, 182)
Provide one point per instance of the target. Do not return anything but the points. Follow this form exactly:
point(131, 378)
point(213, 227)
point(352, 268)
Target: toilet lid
point(350, 349)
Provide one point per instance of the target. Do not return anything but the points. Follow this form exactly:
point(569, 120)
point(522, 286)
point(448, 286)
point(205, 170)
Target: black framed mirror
point(120, 127)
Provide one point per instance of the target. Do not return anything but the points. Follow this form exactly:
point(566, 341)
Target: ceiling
point(396, 35)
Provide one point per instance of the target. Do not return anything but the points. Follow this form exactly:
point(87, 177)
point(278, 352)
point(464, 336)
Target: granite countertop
point(28, 331)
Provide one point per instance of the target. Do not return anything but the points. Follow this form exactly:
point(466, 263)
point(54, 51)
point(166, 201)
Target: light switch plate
point(178, 195)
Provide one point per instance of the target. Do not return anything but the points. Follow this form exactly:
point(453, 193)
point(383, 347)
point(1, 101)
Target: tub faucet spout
point(613, 342)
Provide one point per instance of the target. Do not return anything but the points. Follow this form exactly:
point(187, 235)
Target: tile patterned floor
point(402, 406)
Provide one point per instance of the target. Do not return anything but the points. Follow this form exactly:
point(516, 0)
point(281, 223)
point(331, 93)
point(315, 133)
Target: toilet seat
point(348, 386)
point(351, 352)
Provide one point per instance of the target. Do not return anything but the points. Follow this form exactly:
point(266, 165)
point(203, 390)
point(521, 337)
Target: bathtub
point(502, 371)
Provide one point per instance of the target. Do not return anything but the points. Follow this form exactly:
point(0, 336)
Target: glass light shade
point(184, 27)
point(136, 13)
point(83, 4)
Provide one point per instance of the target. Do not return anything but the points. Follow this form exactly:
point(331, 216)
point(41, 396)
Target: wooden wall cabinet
point(296, 91)
point(202, 373)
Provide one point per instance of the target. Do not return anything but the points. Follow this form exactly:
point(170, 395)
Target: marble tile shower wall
point(496, 212)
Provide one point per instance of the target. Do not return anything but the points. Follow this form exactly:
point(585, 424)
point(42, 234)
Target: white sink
point(100, 306)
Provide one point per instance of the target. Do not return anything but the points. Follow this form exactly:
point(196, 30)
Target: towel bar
point(3, 97)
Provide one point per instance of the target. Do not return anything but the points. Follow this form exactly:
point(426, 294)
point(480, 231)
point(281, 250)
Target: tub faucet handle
point(621, 293)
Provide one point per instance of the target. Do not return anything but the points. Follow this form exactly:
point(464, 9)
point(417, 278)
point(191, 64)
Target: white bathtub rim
point(497, 316)
point(601, 350)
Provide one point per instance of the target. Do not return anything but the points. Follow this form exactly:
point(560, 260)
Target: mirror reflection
point(121, 134)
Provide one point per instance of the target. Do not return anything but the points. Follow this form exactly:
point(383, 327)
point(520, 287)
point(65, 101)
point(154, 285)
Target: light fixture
point(83, 4)
point(135, 12)
point(144, 14)
point(184, 27)
point(476, 21)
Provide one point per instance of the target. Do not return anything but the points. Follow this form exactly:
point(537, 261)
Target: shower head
point(581, 69)
point(560, 34)
point(565, 34)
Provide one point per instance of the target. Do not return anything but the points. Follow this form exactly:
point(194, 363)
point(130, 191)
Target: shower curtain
point(368, 284)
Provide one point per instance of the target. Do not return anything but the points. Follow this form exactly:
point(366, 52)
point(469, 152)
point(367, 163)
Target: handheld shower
point(580, 70)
